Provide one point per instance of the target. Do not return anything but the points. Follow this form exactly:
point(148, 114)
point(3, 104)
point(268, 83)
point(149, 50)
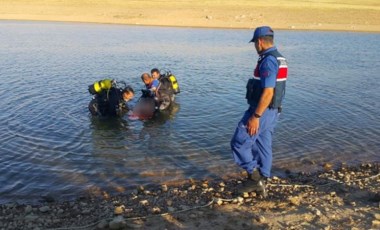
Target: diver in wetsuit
point(158, 94)
point(109, 98)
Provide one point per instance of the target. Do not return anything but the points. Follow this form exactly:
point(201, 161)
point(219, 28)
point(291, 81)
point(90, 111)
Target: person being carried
point(147, 104)
point(109, 98)
point(158, 94)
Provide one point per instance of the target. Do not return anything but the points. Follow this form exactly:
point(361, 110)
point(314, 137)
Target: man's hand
point(253, 126)
point(254, 122)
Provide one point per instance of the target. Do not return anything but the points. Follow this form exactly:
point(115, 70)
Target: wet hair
point(145, 74)
point(155, 70)
point(128, 89)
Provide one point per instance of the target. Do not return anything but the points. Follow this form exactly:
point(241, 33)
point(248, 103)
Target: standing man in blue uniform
point(251, 143)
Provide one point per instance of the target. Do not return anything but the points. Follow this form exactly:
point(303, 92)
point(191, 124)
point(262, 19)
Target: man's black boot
point(254, 183)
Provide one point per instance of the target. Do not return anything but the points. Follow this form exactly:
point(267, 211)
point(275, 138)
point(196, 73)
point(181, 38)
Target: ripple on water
point(50, 145)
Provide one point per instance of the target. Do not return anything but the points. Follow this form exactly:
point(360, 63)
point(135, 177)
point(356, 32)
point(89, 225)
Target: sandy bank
point(345, 15)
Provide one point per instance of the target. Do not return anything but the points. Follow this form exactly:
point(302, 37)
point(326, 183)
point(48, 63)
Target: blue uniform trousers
point(255, 151)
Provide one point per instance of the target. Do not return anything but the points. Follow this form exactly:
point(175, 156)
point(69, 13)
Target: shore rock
point(328, 202)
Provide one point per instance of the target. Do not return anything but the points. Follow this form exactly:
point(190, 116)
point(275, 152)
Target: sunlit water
point(51, 146)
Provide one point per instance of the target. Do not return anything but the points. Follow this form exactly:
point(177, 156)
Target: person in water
point(147, 104)
point(151, 84)
point(158, 95)
point(109, 99)
point(127, 93)
point(155, 73)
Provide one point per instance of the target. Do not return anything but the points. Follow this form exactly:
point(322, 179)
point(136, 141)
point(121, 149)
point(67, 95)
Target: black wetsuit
point(107, 103)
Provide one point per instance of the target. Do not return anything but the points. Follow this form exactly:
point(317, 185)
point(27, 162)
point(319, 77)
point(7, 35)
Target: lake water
point(51, 146)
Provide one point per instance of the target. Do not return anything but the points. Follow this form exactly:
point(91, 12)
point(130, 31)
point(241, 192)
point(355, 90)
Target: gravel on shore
point(343, 198)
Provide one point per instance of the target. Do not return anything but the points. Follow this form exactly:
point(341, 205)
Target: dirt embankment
point(346, 15)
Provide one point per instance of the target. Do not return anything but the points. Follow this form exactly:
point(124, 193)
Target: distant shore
point(340, 15)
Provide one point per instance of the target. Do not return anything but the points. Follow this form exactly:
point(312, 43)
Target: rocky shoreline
point(343, 198)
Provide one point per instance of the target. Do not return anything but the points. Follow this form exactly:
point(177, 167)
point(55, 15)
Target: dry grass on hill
point(347, 15)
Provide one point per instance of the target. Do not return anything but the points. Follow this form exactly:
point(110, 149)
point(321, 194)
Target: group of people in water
point(251, 143)
point(110, 96)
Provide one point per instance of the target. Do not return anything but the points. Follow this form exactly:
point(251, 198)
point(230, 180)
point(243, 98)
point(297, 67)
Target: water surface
point(50, 144)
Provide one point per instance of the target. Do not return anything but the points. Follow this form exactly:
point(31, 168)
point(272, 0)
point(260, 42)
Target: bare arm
point(265, 99)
